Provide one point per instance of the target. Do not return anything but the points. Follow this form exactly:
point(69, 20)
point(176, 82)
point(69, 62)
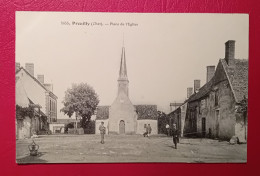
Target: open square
point(128, 148)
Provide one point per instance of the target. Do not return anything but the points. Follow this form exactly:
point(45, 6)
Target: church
point(122, 117)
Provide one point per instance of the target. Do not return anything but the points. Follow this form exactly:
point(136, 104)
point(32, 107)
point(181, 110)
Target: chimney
point(230, 51)
point(49, 87)
point(40, 78)
point(210, 72)
point(17, 66)
point(196, 85)
point(30, 68)
point(189, 92)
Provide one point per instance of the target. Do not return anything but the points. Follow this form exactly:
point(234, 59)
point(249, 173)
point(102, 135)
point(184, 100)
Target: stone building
point(31, 92)
point(178, 117)
point(122, 117)
point(215, 110)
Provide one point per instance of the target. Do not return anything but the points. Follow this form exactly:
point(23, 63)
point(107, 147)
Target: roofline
point(21, 68)
point(231, 86)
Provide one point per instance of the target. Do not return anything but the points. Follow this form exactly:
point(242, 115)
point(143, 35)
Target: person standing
point(102, 130)
point(175, 135)
point(167, 129)
point(149, 130)
point(145, 131)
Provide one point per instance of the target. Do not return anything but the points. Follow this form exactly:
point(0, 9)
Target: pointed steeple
point(123, 70)
point(122, 79)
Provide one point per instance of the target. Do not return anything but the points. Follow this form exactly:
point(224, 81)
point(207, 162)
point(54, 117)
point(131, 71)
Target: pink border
point(7, 85)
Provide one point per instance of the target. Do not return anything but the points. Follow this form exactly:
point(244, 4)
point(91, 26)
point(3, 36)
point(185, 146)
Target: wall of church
point(141, 125)
point(122, 110)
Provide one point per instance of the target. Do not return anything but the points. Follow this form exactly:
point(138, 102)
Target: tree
point(162, 121)
point(82, 100)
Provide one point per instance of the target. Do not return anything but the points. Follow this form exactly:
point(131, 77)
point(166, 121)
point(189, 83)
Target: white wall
point(32, 89)
point(24, 130)
point(59, 125)
point(153, 124)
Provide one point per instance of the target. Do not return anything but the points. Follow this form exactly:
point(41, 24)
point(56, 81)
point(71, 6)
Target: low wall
point(141, 123)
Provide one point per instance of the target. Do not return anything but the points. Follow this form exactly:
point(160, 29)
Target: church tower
point(123, 80)
point(122, 113)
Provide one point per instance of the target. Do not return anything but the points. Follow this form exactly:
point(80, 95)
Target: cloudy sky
point(164, 52)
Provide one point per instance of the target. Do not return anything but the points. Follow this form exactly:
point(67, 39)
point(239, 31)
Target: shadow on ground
point(32, 159)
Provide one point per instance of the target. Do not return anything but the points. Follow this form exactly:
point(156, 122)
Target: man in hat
point(175, 135)
point(102, 130)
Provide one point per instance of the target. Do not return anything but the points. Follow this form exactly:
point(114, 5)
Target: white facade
point(56, 128)
point(29, 87)
point(141, 124)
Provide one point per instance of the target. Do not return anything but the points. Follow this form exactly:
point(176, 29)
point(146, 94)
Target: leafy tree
point(22, 112)
point(162, 121)
point(82, 100)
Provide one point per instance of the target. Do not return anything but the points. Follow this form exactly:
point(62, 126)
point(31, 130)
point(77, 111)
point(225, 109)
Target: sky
point(165, 53)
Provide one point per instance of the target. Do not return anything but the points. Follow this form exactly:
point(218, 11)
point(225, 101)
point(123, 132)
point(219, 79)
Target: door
point(122, 127)
point(204, 127)
point(217, 123)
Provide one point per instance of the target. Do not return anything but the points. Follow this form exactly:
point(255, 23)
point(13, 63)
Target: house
point(178, 117)
point(122, 117)
point(30, 92)
point(219, 108)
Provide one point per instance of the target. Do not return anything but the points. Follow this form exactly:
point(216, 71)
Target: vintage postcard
point(131, 87)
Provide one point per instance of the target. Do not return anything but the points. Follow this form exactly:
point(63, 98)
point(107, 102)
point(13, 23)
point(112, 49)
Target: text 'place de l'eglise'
point(218, 109)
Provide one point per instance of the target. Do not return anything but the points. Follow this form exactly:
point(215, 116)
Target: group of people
point(147, 132)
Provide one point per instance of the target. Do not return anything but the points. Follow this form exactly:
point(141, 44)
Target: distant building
point(122, 117)
point(215, 110)
point(177, 117)
point(30, 68)
point(174, 106)
point(31, 92)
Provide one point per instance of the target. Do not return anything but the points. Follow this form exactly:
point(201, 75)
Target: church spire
point(123, 80)
point(123, 70)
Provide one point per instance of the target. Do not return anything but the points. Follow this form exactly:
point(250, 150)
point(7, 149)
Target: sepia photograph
point(94, 87)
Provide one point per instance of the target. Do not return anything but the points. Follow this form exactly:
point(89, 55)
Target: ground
point(128, 148)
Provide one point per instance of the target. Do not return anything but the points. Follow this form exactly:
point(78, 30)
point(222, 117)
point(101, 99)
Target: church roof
point(146, 112)
point(143, 112)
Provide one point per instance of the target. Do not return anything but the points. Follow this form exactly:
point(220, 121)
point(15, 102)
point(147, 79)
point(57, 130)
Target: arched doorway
point(122, 127)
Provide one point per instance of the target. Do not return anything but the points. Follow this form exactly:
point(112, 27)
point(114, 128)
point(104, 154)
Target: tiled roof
point(203, 91)
point(238, 77)
point(237, 74)
point(146, 111)
point(102, 112)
